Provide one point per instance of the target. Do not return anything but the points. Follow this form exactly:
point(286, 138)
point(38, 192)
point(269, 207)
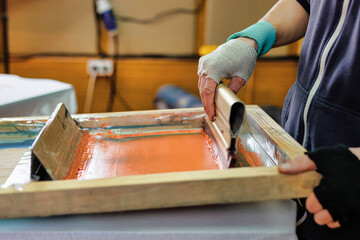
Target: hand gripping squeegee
point(230, 111)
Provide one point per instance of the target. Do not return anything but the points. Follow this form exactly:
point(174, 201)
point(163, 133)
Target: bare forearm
point(289, 19)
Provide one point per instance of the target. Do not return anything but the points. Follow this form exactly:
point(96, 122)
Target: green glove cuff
point(262, 32)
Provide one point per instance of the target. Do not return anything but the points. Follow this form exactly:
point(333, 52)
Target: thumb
point(297, 165)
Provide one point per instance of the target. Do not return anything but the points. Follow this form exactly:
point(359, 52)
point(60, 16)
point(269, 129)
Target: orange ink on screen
point(252, 158)
point(83, 156)
point(110, 134)
point(112, 155)
point(212, 150)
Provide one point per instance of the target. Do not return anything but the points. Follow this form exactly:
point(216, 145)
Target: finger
point(334, 224)
point(210, 88)
point(297, 165)
point(207, 93)
point(312, 204)
point(236, 83)
point(323, 217)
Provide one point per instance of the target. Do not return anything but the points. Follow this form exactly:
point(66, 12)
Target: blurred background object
point(4, 47)
point(170, 96)
point(33, 97)
point(151, 44)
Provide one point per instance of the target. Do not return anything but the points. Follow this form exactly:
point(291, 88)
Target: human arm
point(289, 19)
point(335, 201)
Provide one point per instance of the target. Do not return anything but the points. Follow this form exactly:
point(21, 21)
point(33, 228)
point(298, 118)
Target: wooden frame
point(158, 190)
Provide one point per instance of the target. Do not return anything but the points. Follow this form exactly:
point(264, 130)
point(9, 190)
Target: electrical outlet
point(100, 67)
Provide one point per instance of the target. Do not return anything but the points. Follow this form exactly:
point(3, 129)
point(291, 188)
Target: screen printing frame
point(163, 190)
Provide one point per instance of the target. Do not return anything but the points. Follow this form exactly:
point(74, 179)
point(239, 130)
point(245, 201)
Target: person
point(322, 108)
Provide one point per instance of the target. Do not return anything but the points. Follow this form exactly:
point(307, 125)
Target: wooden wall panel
point(272, 81)
point(101, 93)
point(139, 79)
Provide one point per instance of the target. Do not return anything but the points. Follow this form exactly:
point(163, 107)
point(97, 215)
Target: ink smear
point(247, 158)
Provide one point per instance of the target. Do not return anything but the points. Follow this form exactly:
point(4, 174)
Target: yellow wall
point(38, 26)
point(225, 17)
point(68, 26)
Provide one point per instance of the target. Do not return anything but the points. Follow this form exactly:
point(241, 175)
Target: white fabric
point(272, 220)
point(233, 58)
point(33, 97)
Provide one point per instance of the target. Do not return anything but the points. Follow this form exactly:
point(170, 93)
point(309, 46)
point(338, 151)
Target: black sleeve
point(305, 4)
